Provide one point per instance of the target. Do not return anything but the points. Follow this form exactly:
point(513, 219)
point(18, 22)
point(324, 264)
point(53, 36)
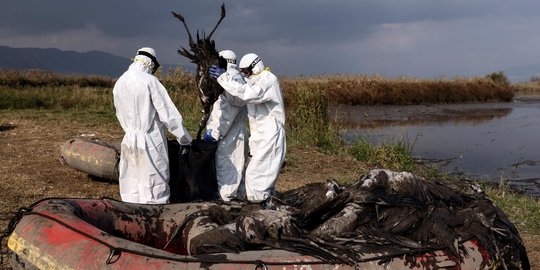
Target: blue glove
point(215, 71)
point(208, 136)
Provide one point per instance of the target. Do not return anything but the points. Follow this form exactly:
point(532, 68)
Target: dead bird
point(385, 212)
point(203, 53)
point(399, 209)
point(311, 195)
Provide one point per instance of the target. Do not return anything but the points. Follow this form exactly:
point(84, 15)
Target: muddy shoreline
point(489, 141)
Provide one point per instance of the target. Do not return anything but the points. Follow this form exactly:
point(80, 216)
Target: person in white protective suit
point(145, 110)
point(266, 115)
point(227, 126)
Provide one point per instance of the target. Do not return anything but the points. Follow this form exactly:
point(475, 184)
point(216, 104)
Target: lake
point(491, 141)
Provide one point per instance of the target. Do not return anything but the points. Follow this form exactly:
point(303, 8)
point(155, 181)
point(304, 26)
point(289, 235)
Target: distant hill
point(65, 62)
point(70, 62)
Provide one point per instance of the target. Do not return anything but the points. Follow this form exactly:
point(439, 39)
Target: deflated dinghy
point(93, 156)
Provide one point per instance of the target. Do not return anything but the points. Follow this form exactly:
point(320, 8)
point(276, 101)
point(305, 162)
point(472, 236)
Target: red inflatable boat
point(108, 234)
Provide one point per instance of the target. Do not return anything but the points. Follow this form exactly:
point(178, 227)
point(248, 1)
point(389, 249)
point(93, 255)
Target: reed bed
point(532, 87)
point(338, 89)
point(40, 78)
point(378, 90)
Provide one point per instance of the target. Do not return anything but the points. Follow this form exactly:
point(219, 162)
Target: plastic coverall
point(227, 122)
point(144, 109)
point(266, 115)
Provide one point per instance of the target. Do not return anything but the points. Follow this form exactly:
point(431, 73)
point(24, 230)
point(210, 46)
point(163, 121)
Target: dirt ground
point(31, 169)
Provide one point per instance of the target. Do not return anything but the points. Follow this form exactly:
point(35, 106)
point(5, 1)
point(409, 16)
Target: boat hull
point(108, 234)
point(92, 156)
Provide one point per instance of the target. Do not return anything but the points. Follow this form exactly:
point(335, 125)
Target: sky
point(419, 38)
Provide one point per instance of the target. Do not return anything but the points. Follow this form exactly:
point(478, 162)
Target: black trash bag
point(178, 185)
point(193, 172)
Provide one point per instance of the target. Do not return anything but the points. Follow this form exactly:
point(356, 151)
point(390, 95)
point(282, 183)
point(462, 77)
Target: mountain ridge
point(65, 61)
point(56, 60)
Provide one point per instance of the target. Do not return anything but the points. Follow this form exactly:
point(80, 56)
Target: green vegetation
point(56, 97)
point(522, 210)
point(307, 120)
point(499, 78)
point(307, 100)
point(393, 156)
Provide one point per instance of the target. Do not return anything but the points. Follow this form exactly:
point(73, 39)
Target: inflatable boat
point(108, 234)
point(93, 156)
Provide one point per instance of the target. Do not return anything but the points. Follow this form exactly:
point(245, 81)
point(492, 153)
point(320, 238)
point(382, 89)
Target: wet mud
point(496, 142)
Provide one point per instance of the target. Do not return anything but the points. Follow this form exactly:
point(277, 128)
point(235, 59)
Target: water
point(497, 142)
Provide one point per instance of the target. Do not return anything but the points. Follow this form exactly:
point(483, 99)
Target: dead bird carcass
point(108, 234)
point(387, 220)
point(203, 53)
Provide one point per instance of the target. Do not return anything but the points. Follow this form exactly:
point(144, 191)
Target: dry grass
point(378, 90)
point(532, 87)
point(36, 78)
point(338, 89)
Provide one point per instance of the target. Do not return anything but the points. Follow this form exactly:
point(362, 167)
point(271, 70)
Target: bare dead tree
point(203, 53)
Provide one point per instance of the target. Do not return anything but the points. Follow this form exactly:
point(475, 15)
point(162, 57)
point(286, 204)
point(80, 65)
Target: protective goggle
point(154, 60)
point(249, 70)
point(246, 71)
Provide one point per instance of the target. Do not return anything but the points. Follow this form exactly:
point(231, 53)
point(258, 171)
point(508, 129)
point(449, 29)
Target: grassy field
point(87, 102)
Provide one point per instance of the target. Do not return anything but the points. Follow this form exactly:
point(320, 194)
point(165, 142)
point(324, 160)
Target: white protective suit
point(227, 125)
point(144, 109)
point(266, 115)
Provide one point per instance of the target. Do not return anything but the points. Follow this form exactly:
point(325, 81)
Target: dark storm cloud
point(115, 18)
point(297, 37)
point(302, 22)
point(291, 21)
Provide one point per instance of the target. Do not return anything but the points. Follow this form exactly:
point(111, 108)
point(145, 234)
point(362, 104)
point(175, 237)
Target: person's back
point(144, 109)
point(134, 99)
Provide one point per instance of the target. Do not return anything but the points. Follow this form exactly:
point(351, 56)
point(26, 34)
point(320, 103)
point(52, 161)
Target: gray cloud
point(389, 37)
